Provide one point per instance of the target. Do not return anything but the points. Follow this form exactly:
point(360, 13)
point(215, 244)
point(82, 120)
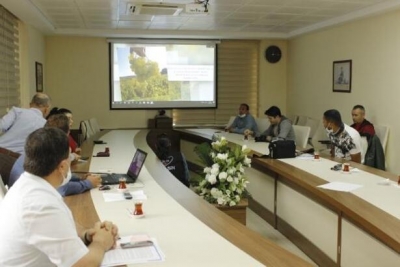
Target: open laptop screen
point(137, 164)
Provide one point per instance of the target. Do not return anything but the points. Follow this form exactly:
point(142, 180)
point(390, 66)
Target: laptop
point(133, 171)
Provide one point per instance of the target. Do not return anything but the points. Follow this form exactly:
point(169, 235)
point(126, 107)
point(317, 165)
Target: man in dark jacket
point(363, 126)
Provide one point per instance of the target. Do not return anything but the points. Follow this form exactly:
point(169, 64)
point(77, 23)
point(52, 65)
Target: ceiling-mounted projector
point(154, 9)
point(196, 8)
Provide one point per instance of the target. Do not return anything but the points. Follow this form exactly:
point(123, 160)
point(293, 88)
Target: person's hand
point(114, 230)
point(95, 180)
point(78, 150)
point(75, 156)
point(101, 235)
point(269, 138)
point(248, 132)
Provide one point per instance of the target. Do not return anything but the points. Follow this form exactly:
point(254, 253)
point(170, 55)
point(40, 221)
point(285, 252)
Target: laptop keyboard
point(113, 178)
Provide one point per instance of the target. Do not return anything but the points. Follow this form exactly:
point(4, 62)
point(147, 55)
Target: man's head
point(243, 109)
point(60, 121)
point(64, 111)
point(273, 114)
point(47, 151)
point(332, 119)
point(163, 141)
point(41, 101)
point(358, 114)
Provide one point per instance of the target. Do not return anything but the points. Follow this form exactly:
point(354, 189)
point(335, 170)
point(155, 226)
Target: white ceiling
point(226, 19)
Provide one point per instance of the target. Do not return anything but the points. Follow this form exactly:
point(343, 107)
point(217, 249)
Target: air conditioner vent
point(153, 9)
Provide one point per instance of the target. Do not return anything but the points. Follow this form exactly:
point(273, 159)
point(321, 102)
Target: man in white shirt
point(15, 127)
point(346, 141)
point(36, 227)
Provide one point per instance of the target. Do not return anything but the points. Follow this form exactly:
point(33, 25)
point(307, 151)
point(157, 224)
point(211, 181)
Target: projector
point(196, 9)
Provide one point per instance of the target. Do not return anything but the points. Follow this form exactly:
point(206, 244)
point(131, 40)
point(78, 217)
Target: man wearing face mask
point(345, 141)
point(243, 121)
point(37, 228)
point(73, 187)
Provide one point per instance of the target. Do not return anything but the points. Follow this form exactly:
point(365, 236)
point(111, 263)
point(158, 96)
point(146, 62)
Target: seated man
point(73, 187)
point(280, 129)
point(345, 141)
point(363, 126)
point(37, 228)
point(243, 121)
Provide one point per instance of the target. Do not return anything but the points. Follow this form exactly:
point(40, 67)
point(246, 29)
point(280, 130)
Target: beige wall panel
point(360, 249)
point(261, 188)
point(316, 223)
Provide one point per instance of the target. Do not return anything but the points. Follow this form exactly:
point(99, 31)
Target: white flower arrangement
point(224, 182)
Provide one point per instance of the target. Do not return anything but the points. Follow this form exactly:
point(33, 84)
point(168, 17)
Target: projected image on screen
point(163, 75)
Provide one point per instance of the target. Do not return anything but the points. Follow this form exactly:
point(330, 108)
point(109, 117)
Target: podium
point(162, 122)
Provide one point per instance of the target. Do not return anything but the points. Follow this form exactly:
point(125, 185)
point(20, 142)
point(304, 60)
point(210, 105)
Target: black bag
point(261, 138)
point(282, 149)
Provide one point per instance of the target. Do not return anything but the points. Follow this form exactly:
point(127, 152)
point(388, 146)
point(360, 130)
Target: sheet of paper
point(121, 256)
point(109, 197)
point(119, 196)
point(340, 186)
point(305, 157)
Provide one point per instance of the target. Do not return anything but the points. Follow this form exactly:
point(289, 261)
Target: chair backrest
point(262, 124)
point(231, 119)
point(364, 147)
point(94, 125)
point(313, 124)
point(383, 133)
point(294, 119)
point(302, 120)
point(3, 189)
point(302, 134)
point(86, 130)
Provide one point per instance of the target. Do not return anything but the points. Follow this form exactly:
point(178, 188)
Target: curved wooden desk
point(259, 248)
point(333, 228)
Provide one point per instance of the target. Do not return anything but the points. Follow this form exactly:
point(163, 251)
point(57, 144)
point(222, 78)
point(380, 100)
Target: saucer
point(138, 216)
point(317, 160)
point(384, 182)
point(122, 190)
point(343, 172)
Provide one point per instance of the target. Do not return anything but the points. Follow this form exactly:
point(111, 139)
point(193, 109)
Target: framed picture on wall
point(39, 76)
point(342, 76)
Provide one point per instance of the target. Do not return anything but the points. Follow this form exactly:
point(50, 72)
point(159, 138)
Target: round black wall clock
point(273, 54)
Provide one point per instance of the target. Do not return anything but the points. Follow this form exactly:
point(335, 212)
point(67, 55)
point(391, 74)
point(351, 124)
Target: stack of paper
point(121, 256)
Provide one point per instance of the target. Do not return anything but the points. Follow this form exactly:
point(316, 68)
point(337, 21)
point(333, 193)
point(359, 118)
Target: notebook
point(133, 171)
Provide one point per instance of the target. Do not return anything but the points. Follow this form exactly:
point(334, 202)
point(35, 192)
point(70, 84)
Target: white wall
point(373, 44)
point(32, 49)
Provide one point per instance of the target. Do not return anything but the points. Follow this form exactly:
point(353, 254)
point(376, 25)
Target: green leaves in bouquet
point(203, 151)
